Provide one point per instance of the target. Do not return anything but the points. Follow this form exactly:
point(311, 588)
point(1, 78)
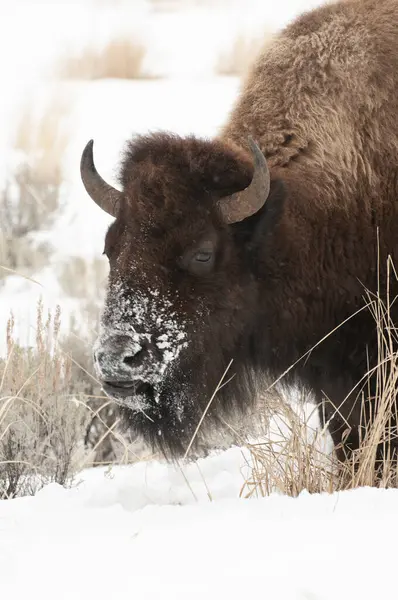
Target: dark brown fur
point(322, 103)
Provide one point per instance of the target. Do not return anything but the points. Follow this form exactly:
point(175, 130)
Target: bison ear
point(255, 229)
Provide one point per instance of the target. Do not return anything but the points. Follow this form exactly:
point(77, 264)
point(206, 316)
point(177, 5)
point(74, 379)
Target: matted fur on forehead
point(166, 169)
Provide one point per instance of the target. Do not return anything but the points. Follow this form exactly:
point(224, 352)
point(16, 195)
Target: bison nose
point(118, 358)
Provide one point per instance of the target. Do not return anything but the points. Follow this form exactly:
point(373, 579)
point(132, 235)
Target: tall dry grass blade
point(219, 385)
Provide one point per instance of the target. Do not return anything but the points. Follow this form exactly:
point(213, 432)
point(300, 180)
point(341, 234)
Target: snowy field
point(153, 530)
point(141, 532)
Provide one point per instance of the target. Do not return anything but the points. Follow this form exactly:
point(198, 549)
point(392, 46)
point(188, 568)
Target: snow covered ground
point(153, 530)
point(142, 532)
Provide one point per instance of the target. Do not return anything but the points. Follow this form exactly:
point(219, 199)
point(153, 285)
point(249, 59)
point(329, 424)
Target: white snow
point(154, 531)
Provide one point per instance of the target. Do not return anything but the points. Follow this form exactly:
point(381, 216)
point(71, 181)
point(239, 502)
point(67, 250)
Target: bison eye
point(203, 256)
point(201, 260)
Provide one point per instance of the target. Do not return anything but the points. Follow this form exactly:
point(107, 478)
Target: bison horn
point(103, 194)
point(247, 202)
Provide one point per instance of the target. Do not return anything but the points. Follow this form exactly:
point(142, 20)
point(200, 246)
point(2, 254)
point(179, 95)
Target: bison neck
point(317, 274)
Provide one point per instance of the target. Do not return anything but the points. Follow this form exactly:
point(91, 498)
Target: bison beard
point(170, 424)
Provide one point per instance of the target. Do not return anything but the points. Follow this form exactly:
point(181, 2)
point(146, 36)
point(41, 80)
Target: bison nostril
point(121, 354)
point(134, 359)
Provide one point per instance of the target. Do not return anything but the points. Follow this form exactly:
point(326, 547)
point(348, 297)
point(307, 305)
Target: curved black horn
point(103, 194)
point(247, 202)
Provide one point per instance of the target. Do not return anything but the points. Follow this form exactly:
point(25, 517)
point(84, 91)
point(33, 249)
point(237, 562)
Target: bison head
point(183, 291)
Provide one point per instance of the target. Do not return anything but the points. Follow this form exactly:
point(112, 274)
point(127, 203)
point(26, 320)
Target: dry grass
point(79, 277)
point(41, 423)
point(54, 421)
point(28, 204)
point(292, 458)
point(42, 137)
point(237, 59)
point(30, 200)
point(367, 469)
point(121, 58)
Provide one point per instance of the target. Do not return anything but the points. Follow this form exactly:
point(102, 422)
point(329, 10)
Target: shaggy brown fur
point(322, 103)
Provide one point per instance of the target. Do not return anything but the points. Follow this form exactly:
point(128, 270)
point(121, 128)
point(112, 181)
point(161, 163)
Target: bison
point(256, 245)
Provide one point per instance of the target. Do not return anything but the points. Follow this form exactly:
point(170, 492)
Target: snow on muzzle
point(125, 358)
point(132, 366)
point(141, 338)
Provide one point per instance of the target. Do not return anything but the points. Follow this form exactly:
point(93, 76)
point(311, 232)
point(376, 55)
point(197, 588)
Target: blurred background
point(102, 69)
